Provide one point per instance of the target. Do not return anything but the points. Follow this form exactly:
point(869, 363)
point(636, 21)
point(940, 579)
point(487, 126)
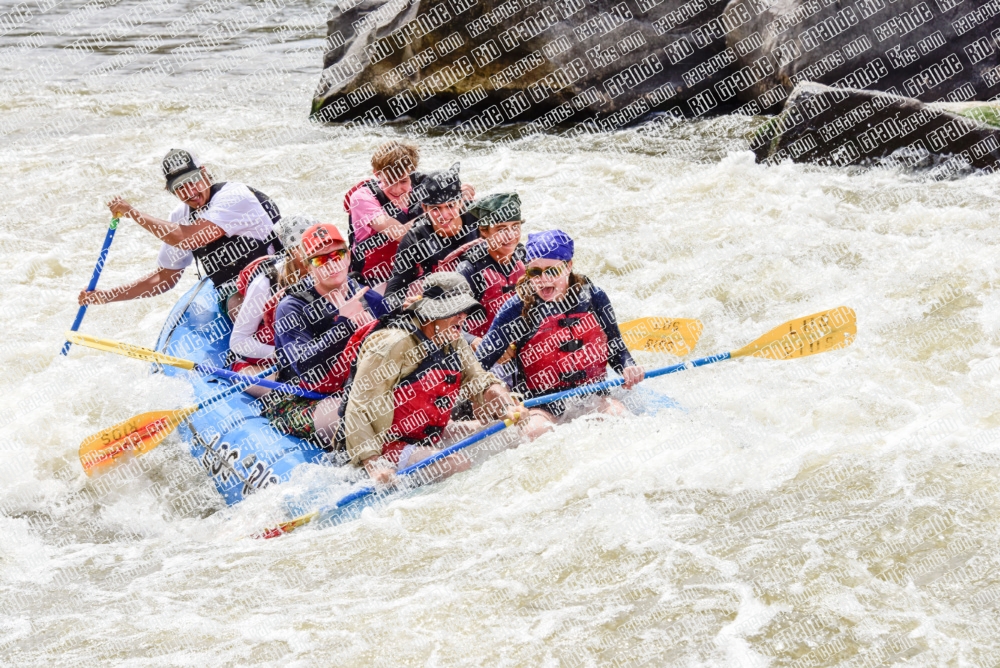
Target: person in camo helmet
point(411, 371)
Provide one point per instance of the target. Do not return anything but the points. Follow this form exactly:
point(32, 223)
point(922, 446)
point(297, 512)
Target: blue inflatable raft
point(241, 451)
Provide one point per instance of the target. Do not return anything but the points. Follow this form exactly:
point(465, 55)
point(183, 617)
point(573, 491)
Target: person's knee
point(326, 415)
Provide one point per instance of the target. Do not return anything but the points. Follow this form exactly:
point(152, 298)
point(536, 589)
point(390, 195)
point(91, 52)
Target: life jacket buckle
point(568, 321)
point(571, 346)
point(443, 403)
point(573, 376)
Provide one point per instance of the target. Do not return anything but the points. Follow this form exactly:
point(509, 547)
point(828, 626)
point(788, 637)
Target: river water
point(833, 510)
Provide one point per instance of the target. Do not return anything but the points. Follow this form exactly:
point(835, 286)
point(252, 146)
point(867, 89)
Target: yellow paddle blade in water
point(816, 333)
point(287, 527)
point(135, 436)
point(677, 336)
point(128, 350)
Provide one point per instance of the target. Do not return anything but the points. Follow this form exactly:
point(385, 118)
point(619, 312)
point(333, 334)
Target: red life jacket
point(268, 266)
point(566, 350)
point(422, 401)
point(490, 286)
point(372, 258)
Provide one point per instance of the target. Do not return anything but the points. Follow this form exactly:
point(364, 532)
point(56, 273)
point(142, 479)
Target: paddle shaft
point(211, 370)
point(93, 278)
point(608, 384)
point(424, 463)
point(244, 381)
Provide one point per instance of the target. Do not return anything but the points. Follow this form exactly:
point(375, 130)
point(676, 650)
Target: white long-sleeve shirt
point(242, 340)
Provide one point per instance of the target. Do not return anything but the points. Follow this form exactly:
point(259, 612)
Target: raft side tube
point(240, 450)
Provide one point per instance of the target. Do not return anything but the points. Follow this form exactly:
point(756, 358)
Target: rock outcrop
point(925, 49)
point(603, 64)
point(491, 62)
point(847, 126)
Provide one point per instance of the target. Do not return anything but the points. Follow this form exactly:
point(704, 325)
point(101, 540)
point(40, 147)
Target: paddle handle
point(424, 463)
point(211, 370)
point(608, 384)
point(93, 279)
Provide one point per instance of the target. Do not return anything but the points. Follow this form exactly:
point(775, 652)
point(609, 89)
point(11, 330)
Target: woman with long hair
point(560, 331)
point(259, 288)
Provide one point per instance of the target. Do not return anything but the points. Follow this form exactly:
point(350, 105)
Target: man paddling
point(223, 226)
point(410, 374)
point(443, 228)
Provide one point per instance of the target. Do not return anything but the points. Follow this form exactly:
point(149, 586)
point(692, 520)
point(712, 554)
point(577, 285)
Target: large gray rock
point(606, 62)
point(846, 126)
point(924, 49)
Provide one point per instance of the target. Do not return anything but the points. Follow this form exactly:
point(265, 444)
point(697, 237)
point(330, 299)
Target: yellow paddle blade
point(128, 350)
point(287, 527)
point(816, 333)
point(677, 336)
point(137, 435)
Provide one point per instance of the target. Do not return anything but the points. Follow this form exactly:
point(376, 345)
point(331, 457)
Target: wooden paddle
point(813, 334)
point(129, 350)
point(809, 335)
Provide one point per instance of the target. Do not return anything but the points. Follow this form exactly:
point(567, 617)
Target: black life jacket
point(322, 322)
point(223, 259)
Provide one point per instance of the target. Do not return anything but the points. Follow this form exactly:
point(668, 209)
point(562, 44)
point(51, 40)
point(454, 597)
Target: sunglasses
point(551, 272)
point(332, 256)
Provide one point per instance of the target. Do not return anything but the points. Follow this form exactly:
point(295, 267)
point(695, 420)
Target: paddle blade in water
point(136, 436)
point(816, 333)
point(677, 336)
point(287, 527)
point(128, 350)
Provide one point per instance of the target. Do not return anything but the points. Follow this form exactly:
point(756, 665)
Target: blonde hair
point(292, 271)
point(395, 159)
